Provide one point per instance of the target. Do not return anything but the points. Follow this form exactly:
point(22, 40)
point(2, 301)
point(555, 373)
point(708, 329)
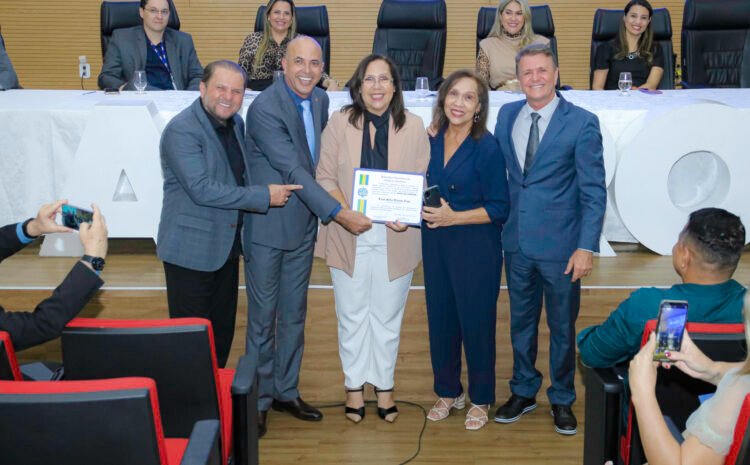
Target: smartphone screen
point(72, 217)
point(670, 327)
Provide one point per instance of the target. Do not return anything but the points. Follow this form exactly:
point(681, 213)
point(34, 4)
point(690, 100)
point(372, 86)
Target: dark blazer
point(47, 321)
point(559, 206)
point(8, 77)
point(126, 53)
point(201, 196)
point(278, 154)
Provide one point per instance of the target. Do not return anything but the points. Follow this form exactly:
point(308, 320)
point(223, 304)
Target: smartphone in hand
point(670, 327)
point(431, 197)
point(72, 217)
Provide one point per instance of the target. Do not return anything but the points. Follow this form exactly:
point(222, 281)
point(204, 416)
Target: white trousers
point(369, 308)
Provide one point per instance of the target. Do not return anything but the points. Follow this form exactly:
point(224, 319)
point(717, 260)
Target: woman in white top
point(710, 429)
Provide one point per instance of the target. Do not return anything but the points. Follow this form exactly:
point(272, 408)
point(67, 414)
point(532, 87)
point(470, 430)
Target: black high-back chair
point(713, 38)
point(412, 33)
point(607, 438)
point(311, 21)
point(541, 22)
point(117, 15)
point(607, 24)
point(179, 355)
point(113, 422)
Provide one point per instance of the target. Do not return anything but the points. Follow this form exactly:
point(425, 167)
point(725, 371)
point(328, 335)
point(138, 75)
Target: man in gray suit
point(168, 56)
point(284, 124)
point(206, 188)
point(8, 78)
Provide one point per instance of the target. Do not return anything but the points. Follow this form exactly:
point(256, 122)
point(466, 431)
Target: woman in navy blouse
point(461, 247)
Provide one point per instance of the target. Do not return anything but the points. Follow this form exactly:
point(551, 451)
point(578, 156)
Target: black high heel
point(386, 414)
point(350, 412)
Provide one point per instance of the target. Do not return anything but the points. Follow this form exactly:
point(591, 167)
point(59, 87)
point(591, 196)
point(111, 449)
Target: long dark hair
point(264, 40)
point(357, 108)
point(645, 41)
point(479, 124)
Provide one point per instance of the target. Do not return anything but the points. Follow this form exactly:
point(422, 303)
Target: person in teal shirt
point(705, 257)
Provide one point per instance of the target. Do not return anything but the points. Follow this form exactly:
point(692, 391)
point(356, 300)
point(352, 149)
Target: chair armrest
point(245, 412)
point(203, 446)
point(602, 425)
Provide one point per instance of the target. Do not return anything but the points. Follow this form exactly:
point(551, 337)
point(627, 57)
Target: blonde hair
point(527, 32)
point(264, 41)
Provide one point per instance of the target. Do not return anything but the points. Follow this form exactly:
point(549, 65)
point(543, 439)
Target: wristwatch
point(97, 263)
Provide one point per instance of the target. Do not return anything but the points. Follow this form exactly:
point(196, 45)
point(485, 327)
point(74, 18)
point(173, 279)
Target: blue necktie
point(307, 118)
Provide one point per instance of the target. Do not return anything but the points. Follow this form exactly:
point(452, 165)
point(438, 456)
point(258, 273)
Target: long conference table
point(665, 154)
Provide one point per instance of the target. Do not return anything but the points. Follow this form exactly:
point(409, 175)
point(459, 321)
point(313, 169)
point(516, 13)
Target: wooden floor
point(135, 289)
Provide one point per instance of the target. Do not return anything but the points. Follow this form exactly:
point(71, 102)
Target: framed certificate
point(386, 196)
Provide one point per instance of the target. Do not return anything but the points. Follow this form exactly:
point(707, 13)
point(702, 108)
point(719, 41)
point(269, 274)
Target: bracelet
point(25, 231)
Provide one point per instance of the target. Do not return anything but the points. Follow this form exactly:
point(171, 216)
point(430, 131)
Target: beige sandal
point(442, 409)
point(476, 422)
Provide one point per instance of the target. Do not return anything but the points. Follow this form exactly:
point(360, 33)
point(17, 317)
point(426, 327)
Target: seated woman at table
point(371, 273)
point(261, 52)
point(461, 247)
point(633, 50)
point(496, 61)
point(710, 429)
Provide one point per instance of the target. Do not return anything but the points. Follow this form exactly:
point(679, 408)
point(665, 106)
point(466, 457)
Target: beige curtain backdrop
point(45, 37)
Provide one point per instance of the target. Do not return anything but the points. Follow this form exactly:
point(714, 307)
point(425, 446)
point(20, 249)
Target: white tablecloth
point(40, 131)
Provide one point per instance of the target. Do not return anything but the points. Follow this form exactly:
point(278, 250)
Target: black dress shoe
point(512, 410)
point(299, 408)
point(262, 423)
point(565, 421)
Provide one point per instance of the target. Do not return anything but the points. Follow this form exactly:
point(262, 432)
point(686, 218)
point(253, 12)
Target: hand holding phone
point(670, 327)
point(72, 217)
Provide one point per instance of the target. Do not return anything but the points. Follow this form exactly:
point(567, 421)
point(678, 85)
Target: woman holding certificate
point(371, 273)
point(461, 246)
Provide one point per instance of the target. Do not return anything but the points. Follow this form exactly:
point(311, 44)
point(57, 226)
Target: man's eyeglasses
point(157, 12)
point(384, 81)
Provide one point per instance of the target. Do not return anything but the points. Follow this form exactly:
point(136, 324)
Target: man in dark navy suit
point(553, 153)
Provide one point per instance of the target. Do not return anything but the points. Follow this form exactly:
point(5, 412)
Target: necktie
point(307, 118)
point(533, 143)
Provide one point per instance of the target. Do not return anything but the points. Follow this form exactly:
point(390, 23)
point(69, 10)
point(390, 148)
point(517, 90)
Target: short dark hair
point(536, 49)
point(479, 125)
point(357, 107)
point(208, 71)
point(717, 235)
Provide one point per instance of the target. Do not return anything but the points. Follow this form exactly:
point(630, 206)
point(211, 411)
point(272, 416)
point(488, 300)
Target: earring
point(476, 117)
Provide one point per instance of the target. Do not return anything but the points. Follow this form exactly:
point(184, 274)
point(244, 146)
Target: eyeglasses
point(157, 12)
point(384, 81)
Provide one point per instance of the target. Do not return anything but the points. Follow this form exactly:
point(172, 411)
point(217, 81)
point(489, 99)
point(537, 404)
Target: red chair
point(179, 355)
point(676, 392)
point(739, 452)
point(113, 422)
point(9, 370)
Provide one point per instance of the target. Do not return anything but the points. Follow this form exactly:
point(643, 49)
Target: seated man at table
point(8, 78)
point(47, 321)
point(168, 56)
point(705, 257)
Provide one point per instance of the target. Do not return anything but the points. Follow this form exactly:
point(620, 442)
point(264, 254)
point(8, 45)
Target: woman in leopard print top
point(261, 52)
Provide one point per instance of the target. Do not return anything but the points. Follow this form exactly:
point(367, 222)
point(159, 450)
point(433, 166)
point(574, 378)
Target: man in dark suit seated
point(52, 314)
point(705, 257)
point(168, 56)
point(284, 124)
point(8, 78)
point(207, 188)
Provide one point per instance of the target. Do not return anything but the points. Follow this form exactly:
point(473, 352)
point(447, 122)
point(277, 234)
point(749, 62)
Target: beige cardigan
point(501, 52)
point(340, 153)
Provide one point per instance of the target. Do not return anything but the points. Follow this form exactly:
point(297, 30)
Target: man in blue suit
point(207, 188)
point(553, 153)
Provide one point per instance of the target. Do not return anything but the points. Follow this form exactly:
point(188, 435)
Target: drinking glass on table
point(625, 83)
point(422, 88)
point(139, 81)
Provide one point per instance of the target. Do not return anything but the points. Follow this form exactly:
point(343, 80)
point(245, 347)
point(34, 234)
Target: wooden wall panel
point(45, 37)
